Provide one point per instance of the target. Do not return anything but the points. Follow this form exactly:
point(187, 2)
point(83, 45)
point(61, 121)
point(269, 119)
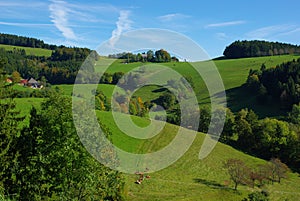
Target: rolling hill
point(190, 178)
point(29, 50)
point(234, 74)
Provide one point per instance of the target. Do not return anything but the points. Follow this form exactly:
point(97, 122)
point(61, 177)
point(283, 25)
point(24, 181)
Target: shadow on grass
point(215, 185)
point(239, 98)
point(160, 90)
point(212, 184)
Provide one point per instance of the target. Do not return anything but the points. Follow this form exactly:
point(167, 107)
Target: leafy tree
point(167, 100)
point(294, 115)
point(162, 56)
point(10, 120)
point(278, 169)
point(229, 128)
point(116, 77)
point(238, 172)
point(204, 121)
point(16, 77)
point(244, 130)
point(57, 165)
point(150, 56)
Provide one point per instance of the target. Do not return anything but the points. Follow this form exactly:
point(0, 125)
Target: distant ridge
point(15, 40)
point(258, 48)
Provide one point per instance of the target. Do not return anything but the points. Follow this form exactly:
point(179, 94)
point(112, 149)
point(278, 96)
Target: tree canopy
point(257, 48)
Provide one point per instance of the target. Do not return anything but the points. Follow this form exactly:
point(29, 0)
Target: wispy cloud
point(171, 17)
point(123, 24)
point(270, 31)
point(59, 15)
point(21, 4)
point(221, 36)
point(25, 24)
point(225, 24)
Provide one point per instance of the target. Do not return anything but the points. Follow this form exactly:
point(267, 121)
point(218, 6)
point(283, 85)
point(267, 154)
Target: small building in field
point(8, 80)
point(33, 83)
point(23, 82)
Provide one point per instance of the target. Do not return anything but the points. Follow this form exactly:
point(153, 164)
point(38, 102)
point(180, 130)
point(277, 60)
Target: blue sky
point(212, 24)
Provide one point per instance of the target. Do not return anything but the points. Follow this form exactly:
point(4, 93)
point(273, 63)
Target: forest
point(9, 39)
point(279, 84)
point(256, 48)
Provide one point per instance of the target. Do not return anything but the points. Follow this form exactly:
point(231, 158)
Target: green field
point(234, 73)
point(190, 178)
point(29, 50)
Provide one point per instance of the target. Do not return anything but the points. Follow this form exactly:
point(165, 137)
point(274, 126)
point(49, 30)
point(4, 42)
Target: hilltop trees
point(9, 39)
point(256, 48)
point(150, 56)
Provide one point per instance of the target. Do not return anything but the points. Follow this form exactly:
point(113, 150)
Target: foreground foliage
point(46, 160)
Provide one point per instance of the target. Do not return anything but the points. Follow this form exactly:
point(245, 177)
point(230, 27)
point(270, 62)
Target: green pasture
point(29, 50)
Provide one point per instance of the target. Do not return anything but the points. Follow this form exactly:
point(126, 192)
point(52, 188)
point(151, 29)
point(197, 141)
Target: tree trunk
point(235, 186)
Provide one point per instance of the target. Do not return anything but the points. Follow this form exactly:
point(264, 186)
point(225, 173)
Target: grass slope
point(190, 178)
point(29, 50)
point(234, 73)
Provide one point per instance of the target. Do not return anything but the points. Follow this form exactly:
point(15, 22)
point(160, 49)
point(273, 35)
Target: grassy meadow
point(29, 50)
point(189, 178)
point(233, 72)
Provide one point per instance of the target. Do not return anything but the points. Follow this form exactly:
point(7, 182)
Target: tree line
point(149, 56)
point(241, 174)
point(280, 84)
point(9, 39)
point(60, 68)
point(257, 48)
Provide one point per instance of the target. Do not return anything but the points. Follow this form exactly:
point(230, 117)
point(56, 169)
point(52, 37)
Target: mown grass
point(233, 72)
point(190, 178)
point(83, 89)
point(29, 50)
point(24, 106)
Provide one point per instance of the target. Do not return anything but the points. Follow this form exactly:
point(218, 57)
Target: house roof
point(32, 81)
point(23, 81)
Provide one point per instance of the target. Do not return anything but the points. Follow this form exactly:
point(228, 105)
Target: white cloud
point(225, 24)
point(59, 14)
point(30, 4)
point(270, 31)
point(123, 24)
point(171, 17)
point(25, 24)
point(291, 32)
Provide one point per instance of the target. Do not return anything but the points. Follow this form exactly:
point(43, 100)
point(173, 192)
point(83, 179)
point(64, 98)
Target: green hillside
point(234, 73)
point(190, 178)
point(29, 50)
